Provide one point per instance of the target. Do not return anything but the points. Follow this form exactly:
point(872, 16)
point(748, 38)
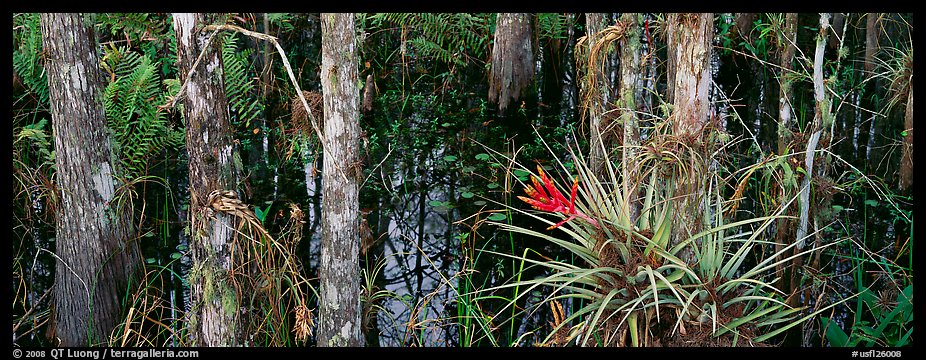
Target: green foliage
point(552, 26)
point(452, 38)
point(36, 134)
point(239, 83)
point(722, 27)
point(893, 326)
point(284, 21)
point(134, 27)
point(628, 276)
point(761, 44)
point(149, 33)
point(27, 55)
point(140, 128)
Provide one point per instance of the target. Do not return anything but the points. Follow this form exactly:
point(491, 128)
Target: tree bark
point(671, 45)
point(627, 103)
point(214, 167)
point(512, 60)
point(96, 247)
point(785, 226)
point(692, 72)
point(789, 48)
point(906, 158)
point(818, 129)
point(599, 95)
point(692, 36)
point(339, 271)
point(872, 35)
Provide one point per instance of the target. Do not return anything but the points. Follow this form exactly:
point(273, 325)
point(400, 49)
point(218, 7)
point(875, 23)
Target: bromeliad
point(546, 197)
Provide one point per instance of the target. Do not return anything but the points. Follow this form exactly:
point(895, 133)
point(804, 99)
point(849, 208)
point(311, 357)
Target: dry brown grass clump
point(301, 120)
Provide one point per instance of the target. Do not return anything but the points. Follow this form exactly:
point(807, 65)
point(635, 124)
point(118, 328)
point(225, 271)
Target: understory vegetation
point(489, 228)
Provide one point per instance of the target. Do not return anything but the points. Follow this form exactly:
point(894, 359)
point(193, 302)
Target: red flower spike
point(544, 196)
point(551, 189)
point(572, 195)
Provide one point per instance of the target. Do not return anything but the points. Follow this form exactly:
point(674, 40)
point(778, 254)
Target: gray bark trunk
point(600, 132)
point(214, 166)
point(627, 103)
point(96, 247)
point(692, 36)
point(512, 60)
point(339, 268)
point(819, 128)
point(785, 226)
point(789, 48)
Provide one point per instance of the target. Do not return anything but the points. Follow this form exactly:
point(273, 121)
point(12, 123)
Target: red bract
point(546, 197)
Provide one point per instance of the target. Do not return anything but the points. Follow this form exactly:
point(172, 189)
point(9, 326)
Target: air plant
point(547, 198)
point(633, 286)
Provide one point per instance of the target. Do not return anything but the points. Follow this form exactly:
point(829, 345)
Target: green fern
point(453, 38)
point(552, 26)
point(149, 33)
point(27, 51)
point(283, 21)
point(39, 138)
point(239, 83)
point(140, 129)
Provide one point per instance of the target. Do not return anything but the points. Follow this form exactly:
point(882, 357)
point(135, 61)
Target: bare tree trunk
point(821, 121)
point(692, 73)
point(906, 159)
point(785, 110)
point(599, 95)
point(339, 270)
point(692, 36)
point(214, 170)
point(96, 247)
point(627, 102)
point(822, 129)
point(512, 60)
point(872, 35)
point(789, 48)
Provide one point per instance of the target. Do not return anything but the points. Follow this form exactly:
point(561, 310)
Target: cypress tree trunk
point(214, 177)
point(789, 48)
point(872, 35)
point(96, 246)
point(871, 87)
point(598, 99)
point(692, 36)
point(627, 103)
point(339, 270)
point(512, 60)
point(819, 129)
point(671, 46)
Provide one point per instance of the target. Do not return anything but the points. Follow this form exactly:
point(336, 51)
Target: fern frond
point(27, 50)
point(240, 89)
point(139, 129)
